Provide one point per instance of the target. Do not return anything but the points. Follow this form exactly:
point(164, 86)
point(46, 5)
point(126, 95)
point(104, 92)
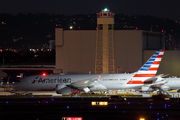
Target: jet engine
point(62, 89)
point(146, 89)
point(164, 87)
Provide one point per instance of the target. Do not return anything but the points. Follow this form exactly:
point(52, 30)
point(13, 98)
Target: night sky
point(158, 8)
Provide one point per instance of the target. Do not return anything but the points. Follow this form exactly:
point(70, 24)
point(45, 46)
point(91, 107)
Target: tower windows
point(104, 14)
point(100, 27)
point(109, 14)
point(110, 26)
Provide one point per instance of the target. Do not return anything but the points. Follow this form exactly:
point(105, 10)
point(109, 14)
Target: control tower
point(105, 62)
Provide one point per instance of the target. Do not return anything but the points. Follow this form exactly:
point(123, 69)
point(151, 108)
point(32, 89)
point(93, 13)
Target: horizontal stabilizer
point(153, 79)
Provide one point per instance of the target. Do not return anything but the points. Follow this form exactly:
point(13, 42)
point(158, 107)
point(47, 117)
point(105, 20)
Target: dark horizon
point(160, 9)
point(35, 31)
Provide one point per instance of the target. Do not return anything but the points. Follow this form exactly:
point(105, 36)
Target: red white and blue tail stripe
point(149, 69)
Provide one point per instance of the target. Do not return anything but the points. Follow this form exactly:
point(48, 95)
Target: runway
point(58, 107)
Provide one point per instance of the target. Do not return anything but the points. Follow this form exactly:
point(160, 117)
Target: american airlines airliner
point(64, 84)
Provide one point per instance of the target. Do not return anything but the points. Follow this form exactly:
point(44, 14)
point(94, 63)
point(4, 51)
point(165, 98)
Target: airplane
point(64, 84)
point(163, 84)
point(171, 83)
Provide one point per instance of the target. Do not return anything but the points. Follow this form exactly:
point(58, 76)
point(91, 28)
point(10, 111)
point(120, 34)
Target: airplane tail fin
point(149, 69)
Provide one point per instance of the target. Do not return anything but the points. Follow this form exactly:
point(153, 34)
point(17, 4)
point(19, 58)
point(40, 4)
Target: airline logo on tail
point(149, 69)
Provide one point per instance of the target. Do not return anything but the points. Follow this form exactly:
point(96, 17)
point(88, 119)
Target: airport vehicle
point(64, 84)
point(117, 98)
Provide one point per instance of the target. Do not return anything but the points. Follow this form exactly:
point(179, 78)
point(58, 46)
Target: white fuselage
point(172, 83)
point(102, 82)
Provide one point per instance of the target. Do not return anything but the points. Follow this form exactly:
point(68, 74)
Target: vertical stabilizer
point(149, 69)
point(151, 66)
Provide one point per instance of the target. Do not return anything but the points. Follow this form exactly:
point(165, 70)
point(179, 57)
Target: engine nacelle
point(164, 87)
point(146, 89)
point(63, 89)
point(98, 87)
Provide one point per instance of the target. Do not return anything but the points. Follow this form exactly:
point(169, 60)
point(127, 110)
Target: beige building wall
point(128, 49)
point(75, 53)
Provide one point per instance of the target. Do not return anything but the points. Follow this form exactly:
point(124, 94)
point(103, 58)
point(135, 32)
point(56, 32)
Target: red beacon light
point(44, 74)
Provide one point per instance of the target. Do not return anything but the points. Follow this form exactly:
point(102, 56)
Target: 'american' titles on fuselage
point(52, 80)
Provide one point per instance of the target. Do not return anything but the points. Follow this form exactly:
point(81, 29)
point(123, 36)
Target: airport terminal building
point(77, 51)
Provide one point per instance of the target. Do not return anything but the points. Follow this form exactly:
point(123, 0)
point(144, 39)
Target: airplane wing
point(85, 83)
point(82, 85)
